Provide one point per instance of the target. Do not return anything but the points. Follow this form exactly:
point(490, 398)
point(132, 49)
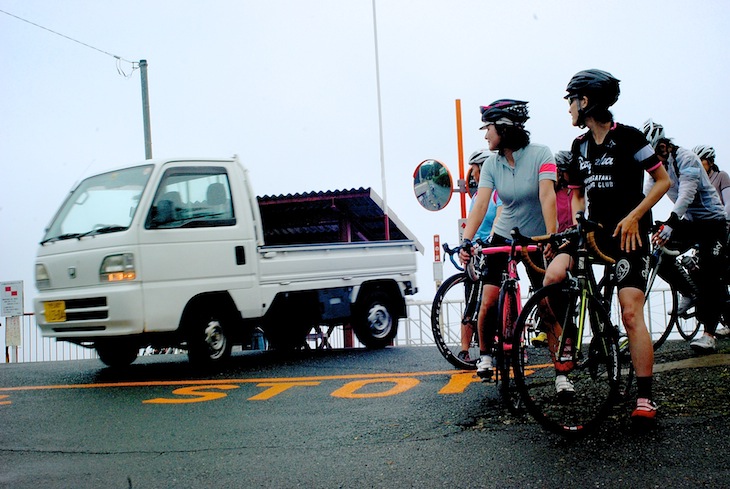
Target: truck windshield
point(100, 204)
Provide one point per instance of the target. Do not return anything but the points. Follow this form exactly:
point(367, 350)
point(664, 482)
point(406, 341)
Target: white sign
point(12, 331)
point(11, 297)
point(462, 226)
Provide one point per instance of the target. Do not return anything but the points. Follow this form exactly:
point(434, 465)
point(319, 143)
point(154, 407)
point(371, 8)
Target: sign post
point(438, 266)
point(11, 307)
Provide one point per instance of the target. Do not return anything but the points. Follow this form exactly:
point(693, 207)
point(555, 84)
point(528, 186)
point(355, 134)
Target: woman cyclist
point(523, 173)
point(484, 233)
point(607, 168)
point(721, 181)
point(702, 222)
point(564, 211)
point(718, 178)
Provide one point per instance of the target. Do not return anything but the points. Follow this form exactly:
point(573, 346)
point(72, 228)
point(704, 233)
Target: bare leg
point(489, 300)
point(632, 314)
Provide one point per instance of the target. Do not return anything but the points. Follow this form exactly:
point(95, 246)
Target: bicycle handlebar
point(451, 252)
point(489, 250)
point(585, 228)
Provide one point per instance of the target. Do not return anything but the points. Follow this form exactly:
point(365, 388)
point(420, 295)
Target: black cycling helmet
point(479, 157)
point(562, 160)
point(601, 87)
point(505, 111)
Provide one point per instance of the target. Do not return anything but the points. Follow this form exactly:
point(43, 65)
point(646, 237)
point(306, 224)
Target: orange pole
point(460, 146)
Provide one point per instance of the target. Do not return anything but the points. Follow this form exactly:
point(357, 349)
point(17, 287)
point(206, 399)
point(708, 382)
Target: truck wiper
point(104, 230)
point(61, 237)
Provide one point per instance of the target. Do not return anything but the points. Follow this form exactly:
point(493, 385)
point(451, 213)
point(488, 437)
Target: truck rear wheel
point(374, 321)
point(208, 341)
point(116, 353)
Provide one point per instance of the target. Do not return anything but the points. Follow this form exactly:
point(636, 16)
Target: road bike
point(582, 341)
point(455, 312)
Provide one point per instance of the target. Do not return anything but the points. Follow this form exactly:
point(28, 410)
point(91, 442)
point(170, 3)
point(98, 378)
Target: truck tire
point(208, 340)
point(116, 353)
point(374, 320)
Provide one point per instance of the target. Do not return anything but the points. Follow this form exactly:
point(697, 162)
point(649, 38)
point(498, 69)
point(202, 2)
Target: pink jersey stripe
point(654, 167)
point(549, 167)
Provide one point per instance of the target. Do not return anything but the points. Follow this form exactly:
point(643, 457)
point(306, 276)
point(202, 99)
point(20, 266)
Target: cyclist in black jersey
point(607, 167)
point(698, 217)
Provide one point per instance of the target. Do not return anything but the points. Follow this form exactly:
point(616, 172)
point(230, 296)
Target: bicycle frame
point(510, 282)
point(472, 292)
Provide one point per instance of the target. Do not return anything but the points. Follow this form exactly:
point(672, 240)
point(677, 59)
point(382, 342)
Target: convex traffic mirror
point(433, 185)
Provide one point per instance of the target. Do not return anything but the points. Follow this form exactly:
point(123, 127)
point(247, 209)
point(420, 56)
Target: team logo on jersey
point(623, 267)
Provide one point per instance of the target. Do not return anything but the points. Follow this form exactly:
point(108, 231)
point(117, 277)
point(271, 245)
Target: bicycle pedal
point(486, 377)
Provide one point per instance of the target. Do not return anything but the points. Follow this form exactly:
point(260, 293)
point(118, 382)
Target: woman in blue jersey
point(484, 233)
point(698, 217)
point(523, 173)
point(476, 160)
point(607, 169)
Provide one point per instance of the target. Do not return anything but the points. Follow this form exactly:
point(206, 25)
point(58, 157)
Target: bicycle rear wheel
point(449, 309)
point(659, 312)
point(595, 373)
point(687, 323)
point(508, 311)
point(659, 317)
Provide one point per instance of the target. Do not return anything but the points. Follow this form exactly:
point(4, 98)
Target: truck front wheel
point(116, 353)
point(208, 341)
point(374, 321)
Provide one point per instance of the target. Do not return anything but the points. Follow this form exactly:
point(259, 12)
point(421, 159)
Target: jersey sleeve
point(547, 169)
point(642, 150)
point(689, 169)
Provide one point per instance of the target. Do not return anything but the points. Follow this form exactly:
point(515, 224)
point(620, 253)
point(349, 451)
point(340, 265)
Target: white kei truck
point(171, 253)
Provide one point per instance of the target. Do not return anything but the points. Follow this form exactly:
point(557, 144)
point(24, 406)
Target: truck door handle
point(240, 255)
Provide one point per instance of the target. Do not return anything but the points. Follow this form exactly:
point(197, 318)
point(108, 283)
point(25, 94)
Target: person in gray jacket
point(698, 218)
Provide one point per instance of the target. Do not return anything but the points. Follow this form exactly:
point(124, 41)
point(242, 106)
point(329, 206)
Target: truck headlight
point(117, 268)
point(42, 280)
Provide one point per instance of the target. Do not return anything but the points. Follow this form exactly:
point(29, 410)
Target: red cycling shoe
point(645, 410)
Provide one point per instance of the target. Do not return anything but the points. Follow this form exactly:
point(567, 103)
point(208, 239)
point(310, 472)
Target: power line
point(119, 59)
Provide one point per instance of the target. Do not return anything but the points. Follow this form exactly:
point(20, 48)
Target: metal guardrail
point(35, 348)
point(412, 331)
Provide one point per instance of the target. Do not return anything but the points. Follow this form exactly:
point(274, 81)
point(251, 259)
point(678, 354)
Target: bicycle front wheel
point(508, 311)
point(593, 374)
point(453, 314)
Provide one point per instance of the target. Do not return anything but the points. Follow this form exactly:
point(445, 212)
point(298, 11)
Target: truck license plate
point(55, 311)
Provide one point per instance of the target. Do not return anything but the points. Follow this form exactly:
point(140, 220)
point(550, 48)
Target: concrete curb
point(714, 360)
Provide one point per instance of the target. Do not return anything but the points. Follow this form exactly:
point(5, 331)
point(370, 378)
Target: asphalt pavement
point(347, 418)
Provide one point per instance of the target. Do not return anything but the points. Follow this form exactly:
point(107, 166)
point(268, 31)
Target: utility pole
point(146, 110)
point(380, 127)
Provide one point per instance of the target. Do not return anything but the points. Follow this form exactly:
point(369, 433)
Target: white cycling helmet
point(705, 152)
point(479, 157)
point(653, 132)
